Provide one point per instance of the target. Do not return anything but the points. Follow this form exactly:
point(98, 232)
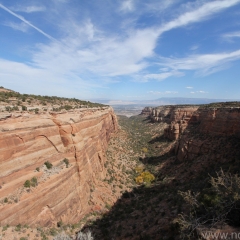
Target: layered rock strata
point(74, 143)
point(193, 125)
point(214, 125)
point(170, 113)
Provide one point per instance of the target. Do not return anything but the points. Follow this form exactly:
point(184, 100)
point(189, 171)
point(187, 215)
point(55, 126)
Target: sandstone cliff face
point(192, 126)
point(178, 118)
point(170, 113)
point(63, 192)
point(217, 123)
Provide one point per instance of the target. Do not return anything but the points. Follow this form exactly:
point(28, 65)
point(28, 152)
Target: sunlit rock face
point(188, 123)
point(64, 191)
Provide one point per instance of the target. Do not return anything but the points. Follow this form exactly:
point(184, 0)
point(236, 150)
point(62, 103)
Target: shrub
point(62, 236)
point(67, 107)
point(145, 177)
point(218, 204)
point(59, 224)
point(34, 182)
point(85, 236)
point(66, 161)
point(5, 200)
point(8, 108)
point(145, 150)
point(24, 108)
point(38, 169)
point(53, 232)
point(48, 165)
point(27, 184)
point(18, 227)
point(139, 169)
point(5, 228)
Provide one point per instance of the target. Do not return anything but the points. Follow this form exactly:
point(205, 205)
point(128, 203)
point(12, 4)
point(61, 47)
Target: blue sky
point(121, 49)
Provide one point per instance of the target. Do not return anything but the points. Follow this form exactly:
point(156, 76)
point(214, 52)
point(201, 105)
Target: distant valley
point(131, 108)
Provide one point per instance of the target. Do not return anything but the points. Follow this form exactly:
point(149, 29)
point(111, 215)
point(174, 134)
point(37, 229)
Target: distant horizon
point(142, 102)
point(121, 49)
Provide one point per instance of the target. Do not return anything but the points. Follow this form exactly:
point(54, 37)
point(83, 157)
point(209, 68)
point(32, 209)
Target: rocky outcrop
point(147, 111)
point(212, 123)
point(188, 123)
point(74, 143)
point(178, 118)
point(170, 113)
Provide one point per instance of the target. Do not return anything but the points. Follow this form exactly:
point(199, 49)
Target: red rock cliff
point(63, 192)
point(194, 126)
point(217, 123)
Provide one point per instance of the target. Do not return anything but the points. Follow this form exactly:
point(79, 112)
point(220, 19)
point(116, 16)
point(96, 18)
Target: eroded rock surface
point(63, 192)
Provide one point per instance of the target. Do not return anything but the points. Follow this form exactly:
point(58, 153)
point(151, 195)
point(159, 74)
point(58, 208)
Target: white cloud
point(194, 47)
point(230, 36)
point(199, 14)
point(33, 79)
point(162, 93)
point(162, 76)
point(127, 6)
point(28, 9)
point(202, 92)
point(189, 87)
point(23, 27)
point(98, 54)
point(86, 52)
point(205, 63)
point(157, 6)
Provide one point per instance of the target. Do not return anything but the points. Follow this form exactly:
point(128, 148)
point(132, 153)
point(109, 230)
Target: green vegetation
point(48, 165)
point(18, 99)
point(31, 183)
point(145, 150)
point(24, 108)
point(34, 182)
point(53, 231)
point(10, 109)
point(145, 177)
point(218, 204)
point(66, 161)
point(222, 104)
point(18, 227)
point(5, 228)
point(27, 184)
point(152, 209)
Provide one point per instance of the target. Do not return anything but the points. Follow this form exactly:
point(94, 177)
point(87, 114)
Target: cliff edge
point(52, 165)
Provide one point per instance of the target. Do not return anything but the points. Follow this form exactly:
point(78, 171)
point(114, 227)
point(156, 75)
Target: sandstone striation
point(212, 123)
point(188, 123)
point(170, 113)
point(67, 191)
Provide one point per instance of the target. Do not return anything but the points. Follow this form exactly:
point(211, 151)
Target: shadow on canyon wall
point(148, 211)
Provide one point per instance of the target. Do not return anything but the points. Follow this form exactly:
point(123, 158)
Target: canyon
point(74, 142)
point(66, 161)
point(187, 123)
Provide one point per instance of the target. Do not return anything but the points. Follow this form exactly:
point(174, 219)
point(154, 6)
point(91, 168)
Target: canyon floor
point(152, 211)
point(127, 151)
point(147, 210)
